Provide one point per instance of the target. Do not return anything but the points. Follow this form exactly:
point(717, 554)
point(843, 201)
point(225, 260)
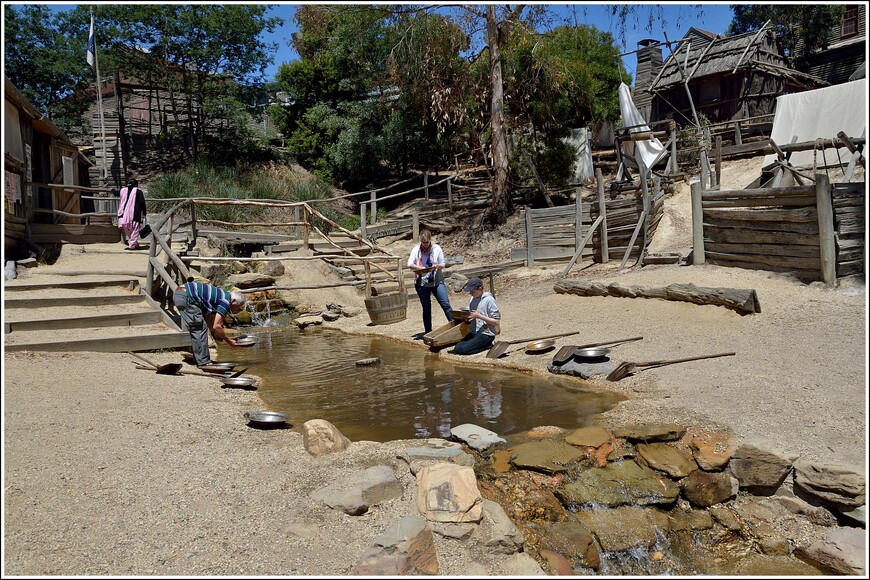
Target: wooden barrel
point(387, 308)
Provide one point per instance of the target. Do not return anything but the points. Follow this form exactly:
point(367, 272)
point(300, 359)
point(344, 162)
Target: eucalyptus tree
point(801, 28)
point(556, 81)
point(45, 59)
point(333, 117)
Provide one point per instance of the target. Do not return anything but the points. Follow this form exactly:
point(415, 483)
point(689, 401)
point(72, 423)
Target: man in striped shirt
point(199, 303)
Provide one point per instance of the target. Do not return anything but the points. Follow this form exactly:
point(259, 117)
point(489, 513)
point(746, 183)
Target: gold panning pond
point(410, 393)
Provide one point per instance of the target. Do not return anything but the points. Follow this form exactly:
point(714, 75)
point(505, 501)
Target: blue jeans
point(473, 343)
point(425, 294)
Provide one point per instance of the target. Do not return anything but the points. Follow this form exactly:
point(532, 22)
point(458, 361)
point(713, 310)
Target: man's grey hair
point(237, 297)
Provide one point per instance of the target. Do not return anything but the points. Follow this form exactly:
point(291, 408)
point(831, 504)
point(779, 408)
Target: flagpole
point(99, 98)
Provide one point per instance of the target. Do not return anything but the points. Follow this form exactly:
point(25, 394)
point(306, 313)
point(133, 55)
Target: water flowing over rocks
point(649, 508)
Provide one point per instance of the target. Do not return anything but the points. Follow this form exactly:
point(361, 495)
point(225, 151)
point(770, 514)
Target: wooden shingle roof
point(701, 57)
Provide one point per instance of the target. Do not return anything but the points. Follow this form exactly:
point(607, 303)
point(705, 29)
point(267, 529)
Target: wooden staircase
point(86, 311)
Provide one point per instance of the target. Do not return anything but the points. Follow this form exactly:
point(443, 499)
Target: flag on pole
point(92, 46)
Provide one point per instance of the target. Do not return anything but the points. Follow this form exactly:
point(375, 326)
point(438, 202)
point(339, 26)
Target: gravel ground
point(113, 471)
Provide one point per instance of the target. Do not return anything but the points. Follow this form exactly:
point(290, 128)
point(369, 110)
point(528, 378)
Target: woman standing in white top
point(427, 260)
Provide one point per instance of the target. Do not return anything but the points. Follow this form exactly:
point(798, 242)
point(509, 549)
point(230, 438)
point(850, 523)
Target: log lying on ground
point(743, 301)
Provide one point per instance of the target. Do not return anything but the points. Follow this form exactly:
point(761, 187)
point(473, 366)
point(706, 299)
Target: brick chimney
point(649, 64)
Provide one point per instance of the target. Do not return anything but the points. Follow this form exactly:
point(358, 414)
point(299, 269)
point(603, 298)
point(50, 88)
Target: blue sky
point(677, 16)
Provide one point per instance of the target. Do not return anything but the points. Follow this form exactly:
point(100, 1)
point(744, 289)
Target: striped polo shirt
point(208, 297)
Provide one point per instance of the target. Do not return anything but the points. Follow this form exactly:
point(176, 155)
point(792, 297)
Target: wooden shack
point(729, 78)
point(38, 161)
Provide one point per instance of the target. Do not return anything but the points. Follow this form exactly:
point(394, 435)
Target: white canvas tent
point(820, 113)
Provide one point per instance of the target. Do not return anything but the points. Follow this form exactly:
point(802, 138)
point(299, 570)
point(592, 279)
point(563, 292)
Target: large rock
point(476, 437)
point(435, 451)
point(651, 432)
point(574, 542)
point(621, 483)
point(835, 485)
point(712, 451)
point(320, 437)
point(355, 493)
point(271, 268)
point(841, 551)
point(760, 472)
point(497, 533)
point(593, 436)
point(251, 280)
point(548, 456)
point(704, 489)
point(448, 493)
point(664, 457)
point(406, 549)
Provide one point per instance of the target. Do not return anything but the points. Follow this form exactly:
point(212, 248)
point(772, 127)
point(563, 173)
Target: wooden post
point(738, 136)
point(374, 203)
point(718, 162)
point(602, 211)
point(400, 275)
point(192, 243)
point(306, 217)
point(426, 184)
point(296, 219)
point(578, 219)
point(827, 246)
point(368, 270)
point(647, 209)
point(491, 286)
point(362, 219)
point(697, 226)
point(450, 194)
point(152, 253)
point(416, 225)
point(456, 159)
point(675, 168)
point(705, 170)
point(640, 222)
point(530, 244)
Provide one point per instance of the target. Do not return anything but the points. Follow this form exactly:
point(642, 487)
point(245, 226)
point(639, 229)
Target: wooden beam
point(640, 222)
point(582, 245)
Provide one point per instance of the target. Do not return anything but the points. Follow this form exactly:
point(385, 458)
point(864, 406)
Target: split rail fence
point(593, 230)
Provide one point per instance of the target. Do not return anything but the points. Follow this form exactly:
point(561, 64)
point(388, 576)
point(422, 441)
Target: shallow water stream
point(410, 393)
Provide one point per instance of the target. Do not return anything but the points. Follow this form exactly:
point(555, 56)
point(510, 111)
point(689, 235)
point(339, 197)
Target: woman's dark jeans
point(425, 293)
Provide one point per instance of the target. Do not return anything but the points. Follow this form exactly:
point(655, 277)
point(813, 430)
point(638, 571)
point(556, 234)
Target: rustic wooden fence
point(815, 231)
point(613, 226)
